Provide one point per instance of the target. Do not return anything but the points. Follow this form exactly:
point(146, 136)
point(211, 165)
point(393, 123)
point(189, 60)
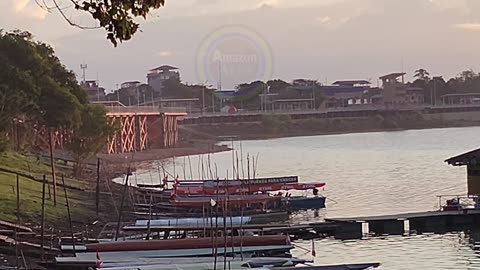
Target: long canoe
point(231, 200)
point(193, 243)
point(193, 221)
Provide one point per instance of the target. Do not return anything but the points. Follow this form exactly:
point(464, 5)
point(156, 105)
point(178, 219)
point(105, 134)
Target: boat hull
point(193, 243)
point(305, 203)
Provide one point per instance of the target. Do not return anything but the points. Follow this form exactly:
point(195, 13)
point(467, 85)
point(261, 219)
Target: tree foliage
point(117, 17)
point(90, 137)
point(36, 89)
point(422, 74)
point(466, 82)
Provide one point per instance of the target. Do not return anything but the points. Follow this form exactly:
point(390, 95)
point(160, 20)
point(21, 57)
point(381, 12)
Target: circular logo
point(233, 55)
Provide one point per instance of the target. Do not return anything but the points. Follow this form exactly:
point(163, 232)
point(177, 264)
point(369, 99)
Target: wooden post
point(42, 224)
point(68, 212)
point(18, 219)
point(18, 197)
point(49, 190)
point(97, 191)
point(52, 164)
point(16, 249)
point(121, 205)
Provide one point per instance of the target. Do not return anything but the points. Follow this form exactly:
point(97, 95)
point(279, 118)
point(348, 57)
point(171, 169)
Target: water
point(367, 174)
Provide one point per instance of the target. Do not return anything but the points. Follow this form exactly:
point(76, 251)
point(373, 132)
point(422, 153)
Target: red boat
point(241, 186)
point(231, 200)
point(192, 243)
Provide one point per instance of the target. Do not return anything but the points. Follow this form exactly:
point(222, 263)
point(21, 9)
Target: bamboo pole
point(18, 198)
point(68, 212)
point(42, 222)
point(97, 191)
point(52, 165)
point(121, 205)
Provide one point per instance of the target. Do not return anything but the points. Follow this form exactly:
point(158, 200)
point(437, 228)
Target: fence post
point(43, 216)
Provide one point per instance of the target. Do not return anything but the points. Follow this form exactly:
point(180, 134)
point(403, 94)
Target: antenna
point(84, 68)
point(220, 75)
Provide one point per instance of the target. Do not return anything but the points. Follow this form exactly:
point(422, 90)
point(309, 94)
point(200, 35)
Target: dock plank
point(13, 226)
point(405, 216)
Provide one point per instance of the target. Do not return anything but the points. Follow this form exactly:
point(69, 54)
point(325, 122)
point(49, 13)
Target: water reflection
point(458, 250)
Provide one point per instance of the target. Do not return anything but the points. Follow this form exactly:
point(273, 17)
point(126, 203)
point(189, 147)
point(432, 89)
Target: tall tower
point(84, 69)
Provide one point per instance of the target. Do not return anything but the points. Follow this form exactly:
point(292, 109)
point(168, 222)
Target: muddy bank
point(159, 154)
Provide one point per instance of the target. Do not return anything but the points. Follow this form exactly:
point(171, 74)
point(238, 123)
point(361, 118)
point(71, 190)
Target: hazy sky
point(319, 39)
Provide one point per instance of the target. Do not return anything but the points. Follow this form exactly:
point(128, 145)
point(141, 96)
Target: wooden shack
point(472, 161)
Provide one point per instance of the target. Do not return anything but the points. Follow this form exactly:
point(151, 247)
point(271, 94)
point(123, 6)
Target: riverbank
point(184, 149)
point(278, 126)
point(81, 195)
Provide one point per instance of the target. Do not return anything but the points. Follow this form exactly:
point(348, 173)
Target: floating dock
point(400, 224)
point(352, 227)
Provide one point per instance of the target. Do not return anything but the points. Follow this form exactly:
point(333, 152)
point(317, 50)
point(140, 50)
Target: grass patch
point(82, 203)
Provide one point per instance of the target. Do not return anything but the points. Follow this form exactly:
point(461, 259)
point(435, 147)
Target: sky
point(326, 40)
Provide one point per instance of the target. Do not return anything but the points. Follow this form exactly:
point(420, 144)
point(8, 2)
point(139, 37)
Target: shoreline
point(283, 128)
point(161, 154)
point(310, 134)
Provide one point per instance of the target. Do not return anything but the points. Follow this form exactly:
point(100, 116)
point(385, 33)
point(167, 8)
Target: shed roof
point(469, 158)
point(462, 95)
point(392, 75)
point(164, 68)
point(351, 82)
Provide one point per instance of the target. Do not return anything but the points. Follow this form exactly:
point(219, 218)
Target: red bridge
point(139, 128)
point(142, 128)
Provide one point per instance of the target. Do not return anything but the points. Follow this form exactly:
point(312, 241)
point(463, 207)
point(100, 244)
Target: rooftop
point(462, 95)
point(469, 158)
point(294, 100)
point(164, 68)
point(393, 75)
point(351, 82)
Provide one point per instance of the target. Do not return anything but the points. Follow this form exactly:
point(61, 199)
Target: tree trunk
point(52, 164)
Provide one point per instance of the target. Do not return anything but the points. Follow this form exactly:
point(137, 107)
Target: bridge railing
point(143, 110)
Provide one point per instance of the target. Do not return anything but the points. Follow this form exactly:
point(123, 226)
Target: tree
point(90, 137)
point(277, 85)
point(117, 17)
point(249, 92)
point(422, 74)
point(467, 75)
point(38, 90)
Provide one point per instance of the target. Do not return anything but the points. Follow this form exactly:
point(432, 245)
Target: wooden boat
point(304, 203)
point(208, 264)
point(89, 258)
point(243, 186)
point(201, 221)
point(362, 266)
point(192, 243)
point(220, 200)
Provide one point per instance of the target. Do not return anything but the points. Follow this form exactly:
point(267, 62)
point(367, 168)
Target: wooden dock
point(400, 224)
point(351, 227)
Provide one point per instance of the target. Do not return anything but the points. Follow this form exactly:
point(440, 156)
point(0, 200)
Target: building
point(461, 99)
point(398, 93)
point(94, 91)
point(292, 104)
point(345, 93)
point(158, 76)
point(394, 91)
point(472, 161)
point(188, 105)
point(130, 93)
point(415, 95)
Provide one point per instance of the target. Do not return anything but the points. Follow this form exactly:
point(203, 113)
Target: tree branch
point(69, 21)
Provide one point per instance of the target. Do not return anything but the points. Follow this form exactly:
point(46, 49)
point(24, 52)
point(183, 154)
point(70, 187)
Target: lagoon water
point(366, 174)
